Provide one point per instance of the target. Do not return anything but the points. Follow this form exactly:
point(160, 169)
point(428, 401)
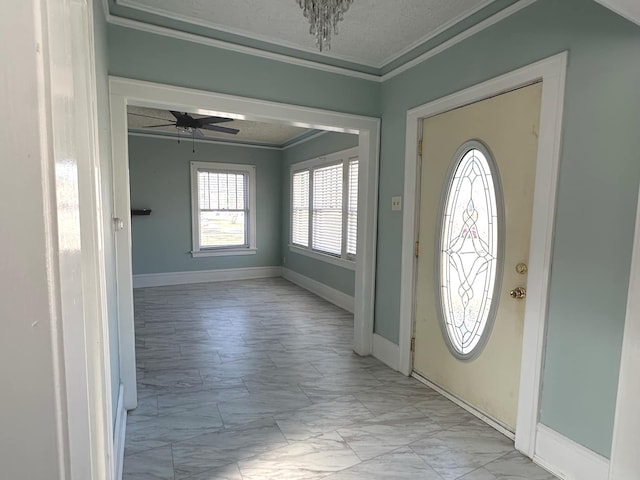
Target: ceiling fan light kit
point(194, 126)
point(324, 16)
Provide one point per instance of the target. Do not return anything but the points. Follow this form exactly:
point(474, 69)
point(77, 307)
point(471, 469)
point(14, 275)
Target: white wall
point(53, 420)
point(30, 440)
point(104, 152)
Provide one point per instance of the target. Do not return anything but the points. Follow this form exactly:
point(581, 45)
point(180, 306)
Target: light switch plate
point(396, 204)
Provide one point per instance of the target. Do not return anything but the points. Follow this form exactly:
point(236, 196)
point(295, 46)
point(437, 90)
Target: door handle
point(518, 293)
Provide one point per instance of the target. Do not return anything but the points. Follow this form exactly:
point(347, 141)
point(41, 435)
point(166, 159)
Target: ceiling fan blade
point(178, 115)
point(215, 128)
point(197, 133)
point(211, 120)
point(148, 116)
point(163, 125)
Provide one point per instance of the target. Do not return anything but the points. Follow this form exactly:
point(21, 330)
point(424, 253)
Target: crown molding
point(469, 32)
point(200, 39)
point(433, 34)
point(629, 9)
point(187, 139)
point(229, 143)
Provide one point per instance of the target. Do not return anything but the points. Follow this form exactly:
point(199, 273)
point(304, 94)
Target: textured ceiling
point(373, 32)
point(250, 132)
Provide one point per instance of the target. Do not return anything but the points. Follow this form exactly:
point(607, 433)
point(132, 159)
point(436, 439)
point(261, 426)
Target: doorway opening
point(127, 92)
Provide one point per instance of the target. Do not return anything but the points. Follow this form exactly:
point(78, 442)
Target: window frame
point(250, 223)
point(345, 260)
point(454, 165)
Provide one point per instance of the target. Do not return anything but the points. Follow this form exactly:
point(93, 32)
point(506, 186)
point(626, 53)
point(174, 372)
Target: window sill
point(226, 252)
point(340, 262)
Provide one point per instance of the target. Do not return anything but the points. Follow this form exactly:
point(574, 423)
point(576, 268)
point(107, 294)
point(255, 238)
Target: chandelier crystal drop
point(324, 16)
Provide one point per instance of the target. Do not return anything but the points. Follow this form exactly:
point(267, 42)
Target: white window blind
point(327, 209)
point(222, 202)
point(300, 209)
point(352, 209)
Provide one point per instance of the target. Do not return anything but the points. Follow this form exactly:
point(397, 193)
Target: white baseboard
point(332, 295)
point(203, 276)
point(566, 459)
point(386, 351)
point(492, 422)
point(119, 435)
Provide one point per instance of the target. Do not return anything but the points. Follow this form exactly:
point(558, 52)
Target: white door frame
point(125, 92)
point(551, 72)
point(53, 79)
point(625, 461)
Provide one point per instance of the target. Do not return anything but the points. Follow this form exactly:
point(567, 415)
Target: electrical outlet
point(396, 204)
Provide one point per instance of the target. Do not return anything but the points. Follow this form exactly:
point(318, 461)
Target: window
point(223, 209)
point(324, 207)
point(469, 262)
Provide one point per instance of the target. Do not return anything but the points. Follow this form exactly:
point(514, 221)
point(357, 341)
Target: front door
point(477, 183)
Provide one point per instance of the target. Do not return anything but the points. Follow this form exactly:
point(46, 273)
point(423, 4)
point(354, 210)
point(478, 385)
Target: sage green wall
point(598, 188)
point(160, 180)
point(155, 58)
point(104, 146)
point(336, 277)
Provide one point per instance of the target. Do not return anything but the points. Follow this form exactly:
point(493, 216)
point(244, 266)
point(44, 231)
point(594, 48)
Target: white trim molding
point(462, 36)
point(224, 252)
point(386, 351)
point(568, 460)
point(330, 294)
point(249, 173)
point(311, 166)
point(203, 276)
point(120, 431)
point(551, 72)
point(625, 460)
point(629, 9)
point(125, 92)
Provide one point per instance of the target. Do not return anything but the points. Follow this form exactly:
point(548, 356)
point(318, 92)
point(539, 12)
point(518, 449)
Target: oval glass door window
point(469, 263)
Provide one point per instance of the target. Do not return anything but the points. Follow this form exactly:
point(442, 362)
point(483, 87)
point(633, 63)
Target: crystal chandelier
point(324, 16)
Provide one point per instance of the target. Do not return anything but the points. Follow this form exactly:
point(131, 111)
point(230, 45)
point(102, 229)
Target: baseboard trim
point(567, 459)
point(492, 422)
point(203, 276)
point(330, 294)
point(386, 351)
point(119, 435)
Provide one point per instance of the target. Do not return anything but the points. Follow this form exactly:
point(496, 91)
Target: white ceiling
point(373, 32)
point(250, 132)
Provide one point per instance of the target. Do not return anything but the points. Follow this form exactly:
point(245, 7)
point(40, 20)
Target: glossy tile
point(309, 459)
point(400, 464)
point(257, 380)
point(514, 466)
point(462, 449)
point(155, 464)
point(214, 450)
point(387, 432)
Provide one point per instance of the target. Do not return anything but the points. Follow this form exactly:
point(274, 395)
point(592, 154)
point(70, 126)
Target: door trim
point(552, 72)
point(625, 462)
point(125, 91)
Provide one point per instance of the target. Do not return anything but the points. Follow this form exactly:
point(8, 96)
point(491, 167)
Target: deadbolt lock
point(522, 268)
point(518, 293)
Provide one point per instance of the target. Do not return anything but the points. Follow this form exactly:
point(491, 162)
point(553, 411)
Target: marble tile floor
point(256, 380)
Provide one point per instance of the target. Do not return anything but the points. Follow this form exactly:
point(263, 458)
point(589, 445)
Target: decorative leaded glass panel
point(470, 247)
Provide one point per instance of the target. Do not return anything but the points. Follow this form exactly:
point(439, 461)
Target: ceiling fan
point(189, 124)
